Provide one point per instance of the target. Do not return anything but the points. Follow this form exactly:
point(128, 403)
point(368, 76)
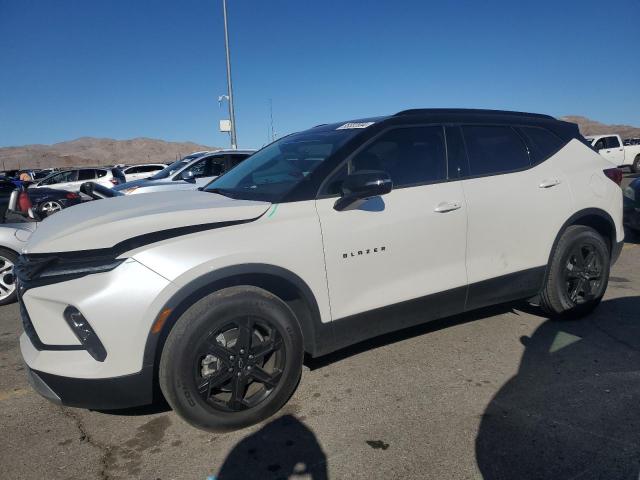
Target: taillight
point(72, 196)
point(24, 202)
point(615, 174)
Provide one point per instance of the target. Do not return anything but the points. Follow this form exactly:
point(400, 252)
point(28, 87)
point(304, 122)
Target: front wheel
point(233, 359)
point(578, 274)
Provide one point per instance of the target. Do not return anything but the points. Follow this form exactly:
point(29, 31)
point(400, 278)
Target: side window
point(236, 159)
point(612, 142)
point(494, 149)
point(542, 143)
point(86, 174)
point(208, 167)
point(599, 145)
point(100, 173)
point(132, 170)
point(458, 161)
point(149, 168)
point(62, 177)
point(410, 155)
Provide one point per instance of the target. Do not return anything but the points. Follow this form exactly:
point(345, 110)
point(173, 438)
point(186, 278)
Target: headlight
point(44, 269)
point(630, 193)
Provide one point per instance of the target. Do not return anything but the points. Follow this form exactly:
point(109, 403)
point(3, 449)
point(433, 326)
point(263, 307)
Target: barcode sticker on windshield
point(347, 126)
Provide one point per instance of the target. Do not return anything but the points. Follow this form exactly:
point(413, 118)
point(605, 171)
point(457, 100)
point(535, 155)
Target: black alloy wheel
point(583, 273)
point(239, 365)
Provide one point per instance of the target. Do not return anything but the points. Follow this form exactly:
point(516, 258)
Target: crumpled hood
point(105, 223)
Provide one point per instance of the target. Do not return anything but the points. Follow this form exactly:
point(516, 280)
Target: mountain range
point(87, 151)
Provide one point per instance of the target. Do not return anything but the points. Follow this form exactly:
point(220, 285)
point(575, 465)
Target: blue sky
point(154, 68)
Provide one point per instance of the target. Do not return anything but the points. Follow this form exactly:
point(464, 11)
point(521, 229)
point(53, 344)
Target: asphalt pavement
point(502, 393)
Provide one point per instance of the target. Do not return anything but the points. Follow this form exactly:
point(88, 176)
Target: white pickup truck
point(612, 148)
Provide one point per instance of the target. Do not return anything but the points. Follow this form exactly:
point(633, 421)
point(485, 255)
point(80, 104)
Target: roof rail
point(479, 111)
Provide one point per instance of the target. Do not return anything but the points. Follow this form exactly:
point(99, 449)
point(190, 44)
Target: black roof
point(470, 111)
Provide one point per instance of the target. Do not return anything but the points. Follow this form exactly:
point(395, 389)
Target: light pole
point(232, 115)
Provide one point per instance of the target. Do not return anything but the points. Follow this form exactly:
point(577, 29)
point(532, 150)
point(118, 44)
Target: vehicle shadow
point(572, 409)
point(283, 448)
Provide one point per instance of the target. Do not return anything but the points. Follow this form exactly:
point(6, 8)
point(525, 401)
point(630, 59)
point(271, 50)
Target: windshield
point(173, 168)
point(271, 173)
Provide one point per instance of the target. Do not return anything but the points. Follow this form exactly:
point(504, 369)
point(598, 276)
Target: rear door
point(406, 245)
point(515, 209)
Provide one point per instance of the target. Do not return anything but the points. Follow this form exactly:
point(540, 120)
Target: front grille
point(27, 268)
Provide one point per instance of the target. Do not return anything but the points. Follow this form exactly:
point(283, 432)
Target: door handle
point(444, 207)
point(552, 182)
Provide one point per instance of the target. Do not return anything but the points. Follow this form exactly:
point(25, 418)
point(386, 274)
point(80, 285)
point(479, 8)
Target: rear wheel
point(7, 279)
point(233, 359)
point(635, 168)
point(578, 274)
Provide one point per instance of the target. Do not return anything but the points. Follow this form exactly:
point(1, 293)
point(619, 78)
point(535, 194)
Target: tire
point(205, 349)
point(49, 208)
point(635, 168)
point(8, 293)
point(574, 287)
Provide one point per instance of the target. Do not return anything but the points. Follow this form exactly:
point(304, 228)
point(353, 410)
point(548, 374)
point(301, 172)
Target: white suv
point(320, 240)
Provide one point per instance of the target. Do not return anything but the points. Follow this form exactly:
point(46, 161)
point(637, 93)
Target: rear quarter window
point(494, 149)
point(542, 143)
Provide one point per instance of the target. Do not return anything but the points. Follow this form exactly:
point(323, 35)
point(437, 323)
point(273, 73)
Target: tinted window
point(542, 143)
point(131, 170)
point(599, 144)
point(149, 168)
point(494, 149)
point(410, 156)
point(62, 177)
point(86, 174)
point(458, 162)
point(612, 142)
point(208, 167)
point(236, 159)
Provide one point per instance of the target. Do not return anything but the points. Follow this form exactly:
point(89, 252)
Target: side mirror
point(362, 185)
point(188, 176)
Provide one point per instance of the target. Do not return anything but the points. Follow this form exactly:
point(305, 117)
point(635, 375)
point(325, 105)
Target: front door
point(406, 245)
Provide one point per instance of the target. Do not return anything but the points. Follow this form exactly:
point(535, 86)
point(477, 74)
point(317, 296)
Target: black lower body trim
point(506, 288)
point(95, 393)
point(616, 251)
point(363, 326)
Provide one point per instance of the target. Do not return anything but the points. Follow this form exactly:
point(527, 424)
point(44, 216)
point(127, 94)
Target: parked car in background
point(632, 205)
point(72, 179)
point(137, 172)
point(10, 173)
point(320, 240)
point(47, 201)
point(190, 173)
point(13, 235)
point(612, 148)
point(632, 141)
